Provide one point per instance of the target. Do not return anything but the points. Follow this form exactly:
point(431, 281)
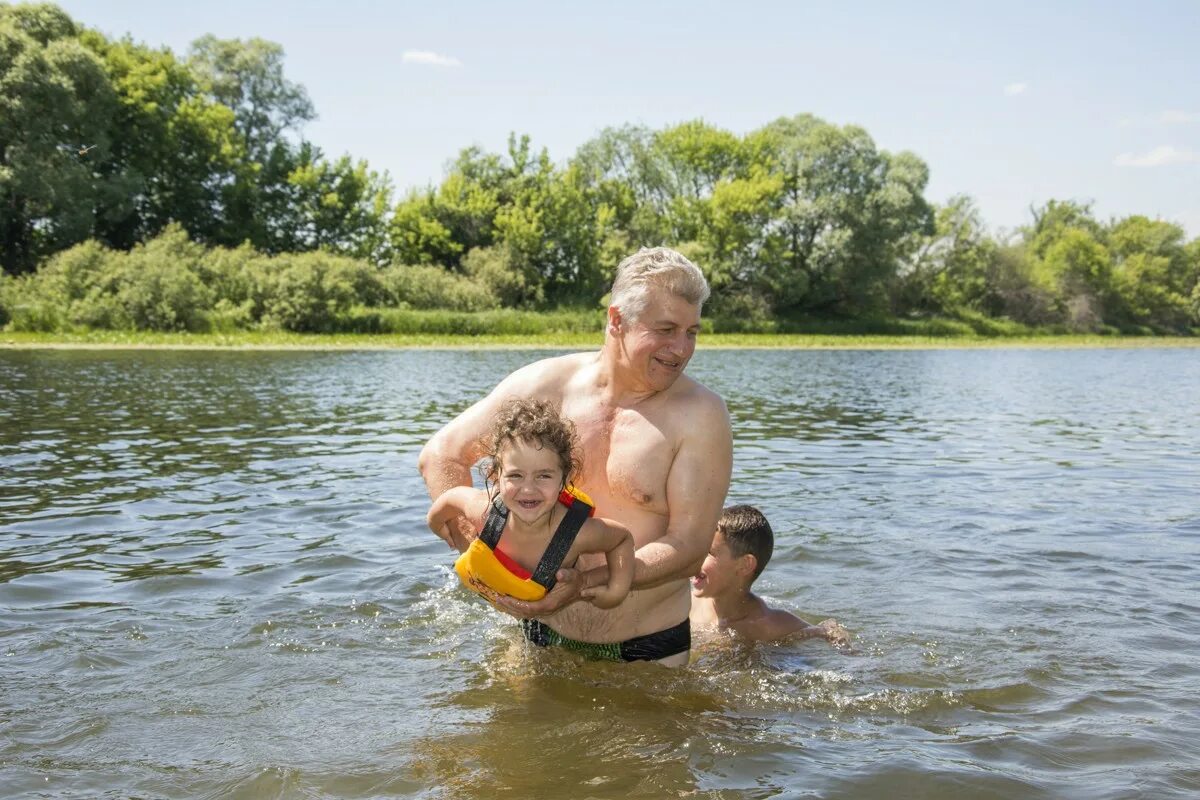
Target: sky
point(1010, 103)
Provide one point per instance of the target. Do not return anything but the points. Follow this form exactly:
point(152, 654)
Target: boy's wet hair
point(746, 531)
point(535, 422)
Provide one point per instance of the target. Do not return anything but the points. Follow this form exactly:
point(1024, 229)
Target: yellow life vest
point(485, 570)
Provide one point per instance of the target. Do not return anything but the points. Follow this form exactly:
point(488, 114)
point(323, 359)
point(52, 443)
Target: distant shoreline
point(253, 341)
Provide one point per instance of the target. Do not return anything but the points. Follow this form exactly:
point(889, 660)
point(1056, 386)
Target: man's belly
point(644, 611)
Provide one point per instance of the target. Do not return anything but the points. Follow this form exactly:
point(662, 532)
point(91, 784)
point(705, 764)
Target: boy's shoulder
point(769, 624)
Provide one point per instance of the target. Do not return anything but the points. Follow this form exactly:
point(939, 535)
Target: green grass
point(370, 328)
point(283, 340)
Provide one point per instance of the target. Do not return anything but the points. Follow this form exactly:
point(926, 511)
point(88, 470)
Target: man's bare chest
point(626, 457)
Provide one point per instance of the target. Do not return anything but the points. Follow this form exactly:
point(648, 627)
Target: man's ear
point(614, 320)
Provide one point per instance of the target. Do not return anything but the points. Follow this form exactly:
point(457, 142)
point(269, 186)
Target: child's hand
point(604, 597)
point(834, 633)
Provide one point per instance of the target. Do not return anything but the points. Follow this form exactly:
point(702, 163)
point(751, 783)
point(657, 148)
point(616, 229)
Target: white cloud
point(1015, 88)
point(1158, 157)
point(1177, 117)
point(430, 58)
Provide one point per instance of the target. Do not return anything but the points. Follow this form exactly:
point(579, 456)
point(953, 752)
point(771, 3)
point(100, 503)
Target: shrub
point(498, 322)
point(428, 287)
point(230, 274)
point(494, 268)
point(310, 291)
point(158, 287)
point(22, 308)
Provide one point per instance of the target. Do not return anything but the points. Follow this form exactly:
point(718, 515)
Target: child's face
point(720, 571)
point(530, 480)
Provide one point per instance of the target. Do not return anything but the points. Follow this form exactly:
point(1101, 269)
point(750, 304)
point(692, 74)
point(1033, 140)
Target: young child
point(531, 522)
point(721, 596)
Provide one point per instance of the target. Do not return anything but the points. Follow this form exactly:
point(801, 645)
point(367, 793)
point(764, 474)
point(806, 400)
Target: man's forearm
point(653, 564)
point(441, 473)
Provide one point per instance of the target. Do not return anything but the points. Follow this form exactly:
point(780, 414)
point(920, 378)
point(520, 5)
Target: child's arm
point(458, 501)
point(616, 542)
point(779, 624)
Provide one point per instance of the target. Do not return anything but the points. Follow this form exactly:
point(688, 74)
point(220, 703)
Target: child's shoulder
point(770, 624)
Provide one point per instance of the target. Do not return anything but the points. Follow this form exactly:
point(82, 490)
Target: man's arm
point(696, 488)
point(447, 458)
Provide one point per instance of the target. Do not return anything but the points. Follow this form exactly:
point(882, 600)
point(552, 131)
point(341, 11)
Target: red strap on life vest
point(512, 566)
point(568, 500)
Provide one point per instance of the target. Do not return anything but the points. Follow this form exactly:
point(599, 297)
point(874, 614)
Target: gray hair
point(656, 267)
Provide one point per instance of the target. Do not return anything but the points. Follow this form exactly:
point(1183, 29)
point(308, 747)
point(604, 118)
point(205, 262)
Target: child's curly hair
point(536, 422)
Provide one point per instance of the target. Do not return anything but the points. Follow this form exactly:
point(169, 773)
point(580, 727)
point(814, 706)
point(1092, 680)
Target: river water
point(215, 582)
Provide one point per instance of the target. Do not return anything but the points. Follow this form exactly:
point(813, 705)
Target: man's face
point(662, 340)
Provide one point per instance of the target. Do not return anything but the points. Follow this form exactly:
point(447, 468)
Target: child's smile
point(530, 480)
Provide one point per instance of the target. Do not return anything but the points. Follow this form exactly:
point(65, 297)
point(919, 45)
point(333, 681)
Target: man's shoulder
point(543, 375)
point(697, 397)
point(695, 412)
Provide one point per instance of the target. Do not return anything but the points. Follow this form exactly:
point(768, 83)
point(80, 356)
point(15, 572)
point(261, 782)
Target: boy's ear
point(746, 565)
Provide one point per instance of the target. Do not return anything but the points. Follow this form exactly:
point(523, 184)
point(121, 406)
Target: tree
point(1152, 276)
point(846, 209)
point(172, 149)
point(1077, 269)
point(246, 76)
point(338, 206)
point(530, 231)
point(56, 106)
point(948, 270)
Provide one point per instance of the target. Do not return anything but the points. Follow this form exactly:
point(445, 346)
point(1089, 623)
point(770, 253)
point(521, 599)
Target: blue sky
point(1011, 103)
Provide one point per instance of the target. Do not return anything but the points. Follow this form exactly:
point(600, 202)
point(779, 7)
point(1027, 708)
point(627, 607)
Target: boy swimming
point(531, 522)
point(721, 596)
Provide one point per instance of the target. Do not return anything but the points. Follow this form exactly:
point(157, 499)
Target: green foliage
point(1153, 274)
point(498, 322)
point(429, 287)
point(310, 291)
point(55, 100)
point(220, 215)
point(493, 268)
point(948, 269)
point(247, 77)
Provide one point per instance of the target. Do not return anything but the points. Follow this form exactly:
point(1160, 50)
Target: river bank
point(284, 340)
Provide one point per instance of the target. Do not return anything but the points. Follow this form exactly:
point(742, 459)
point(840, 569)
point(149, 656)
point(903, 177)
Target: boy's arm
point(778, 624)
point(616, 542)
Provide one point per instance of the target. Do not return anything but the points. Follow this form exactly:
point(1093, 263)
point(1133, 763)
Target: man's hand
point(566, 591)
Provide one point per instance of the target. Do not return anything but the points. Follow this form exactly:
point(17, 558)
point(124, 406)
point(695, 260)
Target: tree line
point(148, 190)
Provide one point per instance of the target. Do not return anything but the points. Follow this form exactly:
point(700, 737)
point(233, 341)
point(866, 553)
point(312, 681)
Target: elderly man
point(656, 457)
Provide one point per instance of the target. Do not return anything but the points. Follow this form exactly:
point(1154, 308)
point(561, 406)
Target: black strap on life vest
point(560, 544)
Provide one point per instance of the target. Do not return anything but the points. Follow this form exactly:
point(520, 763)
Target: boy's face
point(721, 571)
